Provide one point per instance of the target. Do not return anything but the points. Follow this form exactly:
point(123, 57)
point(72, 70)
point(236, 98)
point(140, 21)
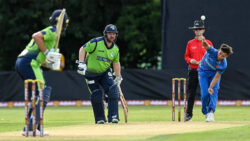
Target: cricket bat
point(59, 27)
point(124, 104)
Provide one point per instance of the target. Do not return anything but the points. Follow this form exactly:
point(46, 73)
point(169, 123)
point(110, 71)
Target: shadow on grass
point(228, 134)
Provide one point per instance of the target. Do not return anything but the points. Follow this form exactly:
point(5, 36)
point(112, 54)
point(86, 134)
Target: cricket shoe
point(45, 133)
point(188, 118)
point(115, 120)
point(210, 117)
point(100, 122)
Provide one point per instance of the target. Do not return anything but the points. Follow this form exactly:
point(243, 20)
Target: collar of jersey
point(197, 40)
point(107, 45)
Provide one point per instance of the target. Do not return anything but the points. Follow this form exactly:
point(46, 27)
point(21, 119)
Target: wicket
point(179, 98)
point(33, 101)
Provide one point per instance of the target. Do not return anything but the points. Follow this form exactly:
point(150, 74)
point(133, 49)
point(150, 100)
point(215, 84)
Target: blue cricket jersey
point(209, 62)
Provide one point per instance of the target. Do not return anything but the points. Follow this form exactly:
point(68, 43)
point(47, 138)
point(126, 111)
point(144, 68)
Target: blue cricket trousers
point(208, 101)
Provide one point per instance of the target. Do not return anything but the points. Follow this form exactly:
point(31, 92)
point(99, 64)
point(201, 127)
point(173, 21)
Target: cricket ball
point(203, 17)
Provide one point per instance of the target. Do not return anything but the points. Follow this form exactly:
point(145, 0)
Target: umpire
point(193, 56)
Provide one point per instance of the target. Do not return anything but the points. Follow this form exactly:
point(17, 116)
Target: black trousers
point(193, 83)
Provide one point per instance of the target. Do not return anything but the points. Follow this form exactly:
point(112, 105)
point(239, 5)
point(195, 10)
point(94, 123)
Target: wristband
point(46, 52)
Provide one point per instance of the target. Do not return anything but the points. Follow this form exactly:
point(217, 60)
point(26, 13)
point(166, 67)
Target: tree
point(138, 23)
point(139, 39)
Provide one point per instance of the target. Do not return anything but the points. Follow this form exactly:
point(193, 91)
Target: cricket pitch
point(118, 130)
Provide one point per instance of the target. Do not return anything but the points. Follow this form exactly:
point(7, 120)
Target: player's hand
point(211, 91)
point(47, 64)
point(82, 67)
point(118, 80)
point(52, 56)
point(193, 61)
point(204, 43)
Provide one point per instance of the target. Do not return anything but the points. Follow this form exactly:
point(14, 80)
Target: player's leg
point(46, 91)
point(204, 84)
point(25, 70)
point(212, 105)
point(46, 97)
point(113, 96)
point(212, 101)
point(29, 70)
point(214, 97)
point(192, 86)
point(96, 99)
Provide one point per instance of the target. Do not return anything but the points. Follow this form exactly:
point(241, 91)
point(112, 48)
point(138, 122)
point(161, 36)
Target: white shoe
point(210, 117)
point(45, 133)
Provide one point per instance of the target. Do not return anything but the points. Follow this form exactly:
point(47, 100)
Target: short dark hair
point(226, 49)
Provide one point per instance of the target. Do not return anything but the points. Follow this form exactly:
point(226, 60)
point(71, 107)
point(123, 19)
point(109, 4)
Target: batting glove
point(118, 80)
point(52, 56)
point(82, 67)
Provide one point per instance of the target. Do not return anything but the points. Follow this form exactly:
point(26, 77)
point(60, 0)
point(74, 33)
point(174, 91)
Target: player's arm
point(214, 81)
point(89, 47)
point(117, 68)
point(205, 44)
point(82, 67)
point(39, 40)
point(187, 54)
point(82, 54)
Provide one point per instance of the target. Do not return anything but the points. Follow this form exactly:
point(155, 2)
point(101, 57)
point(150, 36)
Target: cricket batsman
point(212, 66)
point(40, 50)
point(95, 59)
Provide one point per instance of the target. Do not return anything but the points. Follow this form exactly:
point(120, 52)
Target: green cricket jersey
point(99, 56)
point(32, 51)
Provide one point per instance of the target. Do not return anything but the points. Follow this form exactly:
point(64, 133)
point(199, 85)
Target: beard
point(110, 40)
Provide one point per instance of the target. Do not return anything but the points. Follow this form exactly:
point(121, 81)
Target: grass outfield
point(145, 123)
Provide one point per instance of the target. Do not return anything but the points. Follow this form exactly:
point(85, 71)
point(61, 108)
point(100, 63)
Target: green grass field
point(145, 123)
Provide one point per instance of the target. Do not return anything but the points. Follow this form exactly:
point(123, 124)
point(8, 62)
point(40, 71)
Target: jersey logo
point(110, 74)
point(194, 47)
point(217, 66)
point(112, 54)
point(112, 27)
point(103, 59)
point(91, 82)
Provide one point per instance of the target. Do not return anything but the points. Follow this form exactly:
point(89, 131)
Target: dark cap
point(198, 25)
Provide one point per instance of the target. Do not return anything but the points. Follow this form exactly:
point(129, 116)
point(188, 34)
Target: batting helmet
point(110, 28)
point(55, 15)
